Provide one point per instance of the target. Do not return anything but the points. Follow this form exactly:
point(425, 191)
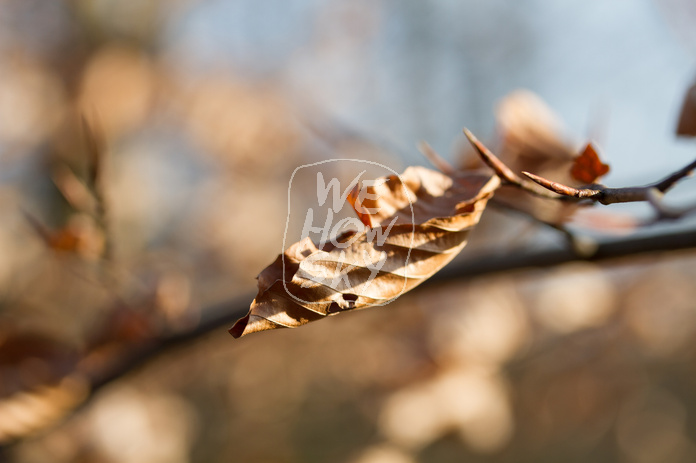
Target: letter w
point(338, 199)
point(370, 234)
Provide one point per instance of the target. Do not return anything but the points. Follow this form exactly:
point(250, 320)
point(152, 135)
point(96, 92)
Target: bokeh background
point(145, 153)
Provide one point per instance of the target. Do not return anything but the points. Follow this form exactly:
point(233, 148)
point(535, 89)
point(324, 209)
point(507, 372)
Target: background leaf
point(587, 167)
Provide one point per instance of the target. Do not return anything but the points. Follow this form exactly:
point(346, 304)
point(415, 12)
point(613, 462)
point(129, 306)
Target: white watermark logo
point(359, 248)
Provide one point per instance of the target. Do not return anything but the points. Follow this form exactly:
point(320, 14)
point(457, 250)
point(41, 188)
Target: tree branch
point(217, 316)
point(134, 355)
point(226, 313)
point(553, 190)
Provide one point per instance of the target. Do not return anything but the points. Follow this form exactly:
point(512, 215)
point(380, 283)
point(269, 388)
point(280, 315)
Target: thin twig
point(599, 193)
point(38, 227)
point(94, 139)
point(649, 193)
point(76, 193)
point(564, 190)
point(665, 212)
point(504, 172)
point(669, 181)
point(436, 160)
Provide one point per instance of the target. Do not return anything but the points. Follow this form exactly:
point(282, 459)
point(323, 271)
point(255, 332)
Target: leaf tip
point(251, 323)
point(237, 330)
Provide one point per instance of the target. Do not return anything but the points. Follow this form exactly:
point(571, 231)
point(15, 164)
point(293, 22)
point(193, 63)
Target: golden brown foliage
point(421, 221)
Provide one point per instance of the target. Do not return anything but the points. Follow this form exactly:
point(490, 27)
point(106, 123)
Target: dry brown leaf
point(687, 119)
point(531, 138)
point(587, 167)
point(34, 368)
point(420, 222)
point(532, 135)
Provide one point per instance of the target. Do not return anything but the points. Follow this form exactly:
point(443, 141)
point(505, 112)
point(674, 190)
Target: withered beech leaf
point(419, 223)
point(587, 167)
point(531, 137)
point(687, 119)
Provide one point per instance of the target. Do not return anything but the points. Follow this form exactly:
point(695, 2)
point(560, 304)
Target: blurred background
point(145, 153)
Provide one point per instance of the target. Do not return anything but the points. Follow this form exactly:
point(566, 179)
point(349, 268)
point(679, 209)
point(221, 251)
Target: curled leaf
point(420, 221)
point(587, 167)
